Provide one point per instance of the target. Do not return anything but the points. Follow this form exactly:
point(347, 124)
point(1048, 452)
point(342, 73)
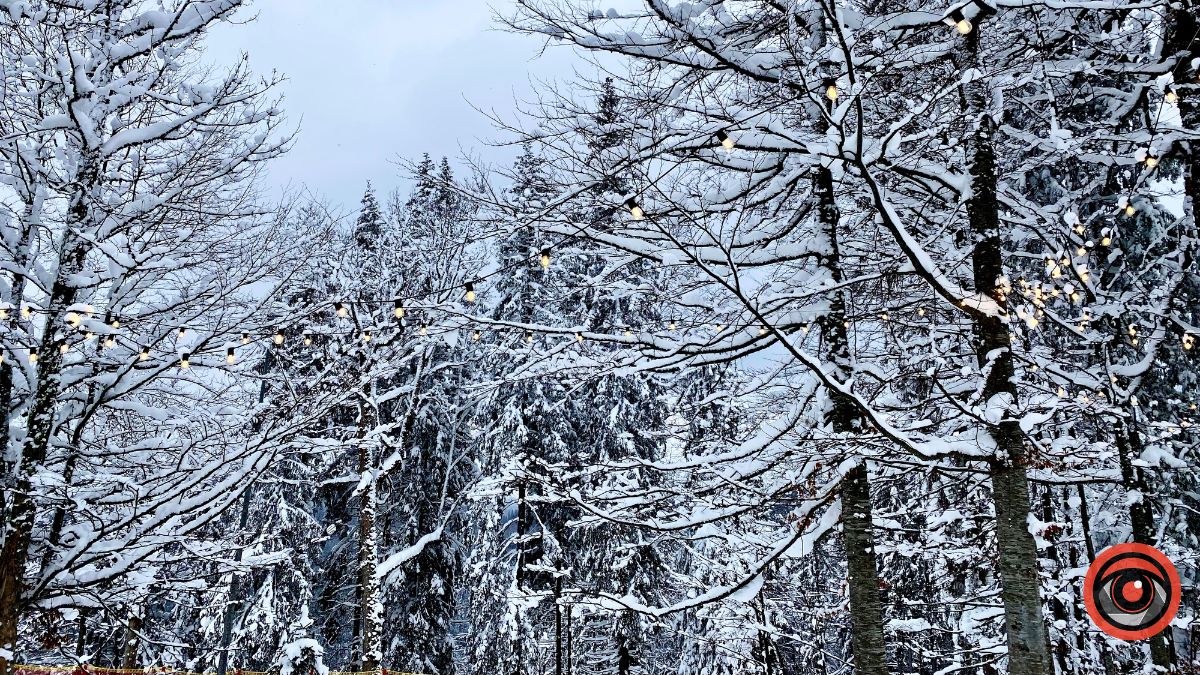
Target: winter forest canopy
point(796, 337)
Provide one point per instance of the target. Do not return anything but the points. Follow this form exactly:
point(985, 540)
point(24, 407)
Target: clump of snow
point(304, 656)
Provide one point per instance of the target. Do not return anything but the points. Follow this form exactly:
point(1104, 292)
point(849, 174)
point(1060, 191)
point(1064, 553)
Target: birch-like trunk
point(368, 538)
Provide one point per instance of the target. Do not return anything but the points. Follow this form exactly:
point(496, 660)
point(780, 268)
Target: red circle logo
point(1131, 591)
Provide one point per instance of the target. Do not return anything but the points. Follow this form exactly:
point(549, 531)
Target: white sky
point(373, 80)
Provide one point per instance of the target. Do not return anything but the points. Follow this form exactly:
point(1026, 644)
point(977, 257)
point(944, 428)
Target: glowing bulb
point(1106, 240)
point(1079, 229)
point(64, 348)
point(475, 336)
point(278, 337)
point(245, 338)
point(182, 333)
point(398, 311)
point(1129, 210)
point(87, 336)
point(1080, 251)
point(116, 323)
point(308, 340)
point(1062, 393)
point(725, 139)
point(184, 363)
point(529, 337)
point(74, 319)
point(424, 330)
point(470, 295)
point(762, 330)
point(1188, 341)
point(144, 354)
point(629, 333)
point(545, 258)
point(961, 23)
point(579, 337)
point(340, 310)
point(109, 342)
point(884, 316)
point(366, 337)
point(635, 209)
point(920, 311)
point(4, 313)
point(230, 356)
point(671, 326)
point(33, 356)
point(831, 90)
point(26, 312)
point(1151, 160)
point(1170, 94)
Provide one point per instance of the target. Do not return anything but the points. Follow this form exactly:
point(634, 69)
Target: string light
point(544, 258)
point(475, 336)
point(366, 336)
point(307, 339)
point(230, 356)
point(74, 319)
point(26, 312)
point(831, 90)
point(109, 342)
point(184, 362)
point(245, 338)
point(1170, 94)
point(1129, 209)
point(579, 337)
point(115, 323)
point(144, 354)
point(4, 311)
point(920, 311)
point(671, 326)
point(470, 294)
point(182, 333)
point(424, 330)
point(64, 348)
point(278, 337)
point(1151, 158)
point(529, 337)
point(1188, 340)
point(87, 336)
point(635, 209)
point(960, 21)
point(340, 310)
point(33, 355)
point(725, 139)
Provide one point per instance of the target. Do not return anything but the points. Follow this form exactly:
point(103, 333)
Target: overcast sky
point(377, 79)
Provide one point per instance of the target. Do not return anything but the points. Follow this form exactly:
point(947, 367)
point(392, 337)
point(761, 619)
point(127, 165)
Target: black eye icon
point(1132, 591)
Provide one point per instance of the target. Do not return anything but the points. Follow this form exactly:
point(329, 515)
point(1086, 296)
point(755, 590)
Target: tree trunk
point(235, 596)
point(1028, 646)
point(867, 641)
point(866, 611)
point(368, 561)
point(130, 653)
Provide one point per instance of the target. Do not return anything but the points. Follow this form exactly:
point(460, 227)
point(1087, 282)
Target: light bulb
point(628, 333)
point(341, 310)
point(961, 23)
point(26, 312)
point(920, 311)
point(87, 336)
point(64, 348)
point(831, 90)
point(116, 323)
point(762, 330)
point(579, 337)
point(74, 319)
point(529, 337)
point(184, 363)
point(470, 296)
point(725, 139)
point(4, 313)
point(545, 258)
point(182, 333)
point(245, 338)
point(1080, 251)
point(398, 312)
point(424, 330)
point(109, 342)
point(1129, 210)
point(230, 356)
point(366, 337)
point(635, 209)
point(278, 337)
point(1171, 95)
point(475, 336)
point(144, 354)
point(308, 340)
point(1062, 393)
point(1151, 160)
point(33, 356)
point(671, 326)
point(1106, 240)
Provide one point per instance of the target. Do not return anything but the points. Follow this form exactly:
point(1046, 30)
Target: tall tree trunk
point(1028, 646)
point(866, 611)
point(130, 648)
point(368, 537)
point(234, 604)
point(22, 509)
